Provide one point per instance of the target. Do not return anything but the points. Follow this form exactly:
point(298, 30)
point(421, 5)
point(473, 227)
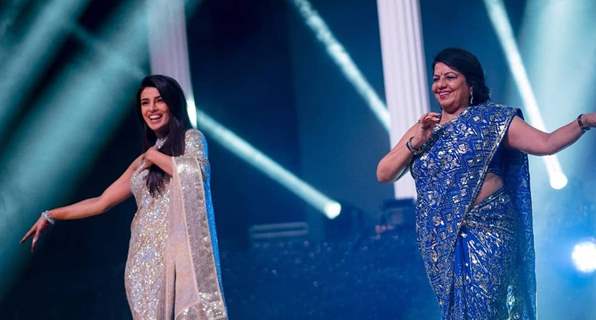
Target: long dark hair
point(468, 65)
point(172, 94)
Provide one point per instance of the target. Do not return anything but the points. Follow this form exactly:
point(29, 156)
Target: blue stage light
point(502, 25)
point(266, 165)
point(584, 256)
point(342, 58)
point(25, 61)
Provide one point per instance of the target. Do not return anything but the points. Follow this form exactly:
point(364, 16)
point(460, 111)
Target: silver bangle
point(45, 215)
point(581, 124)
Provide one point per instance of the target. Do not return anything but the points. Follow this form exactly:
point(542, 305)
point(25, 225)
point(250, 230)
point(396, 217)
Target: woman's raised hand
point(424, 128)
point(141, 162)
point(35, 231)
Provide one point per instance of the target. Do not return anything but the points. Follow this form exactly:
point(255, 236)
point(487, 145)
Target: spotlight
point(558, 181)
point(332, 209)
point(584, 256)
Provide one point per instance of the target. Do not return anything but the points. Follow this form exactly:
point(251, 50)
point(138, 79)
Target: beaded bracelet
point(414, 151)
point(45, 215)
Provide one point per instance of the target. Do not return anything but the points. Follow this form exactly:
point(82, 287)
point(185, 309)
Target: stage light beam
point(500, 21)
point(263, 163)
point(343, 60)
point(57, 139)
point(28, 59)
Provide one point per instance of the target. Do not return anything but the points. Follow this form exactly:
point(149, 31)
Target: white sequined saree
point(172, 270)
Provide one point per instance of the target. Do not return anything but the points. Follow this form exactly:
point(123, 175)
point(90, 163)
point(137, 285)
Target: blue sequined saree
point(479, 258)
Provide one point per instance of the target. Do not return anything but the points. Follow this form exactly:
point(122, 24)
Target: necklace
point(160, 142)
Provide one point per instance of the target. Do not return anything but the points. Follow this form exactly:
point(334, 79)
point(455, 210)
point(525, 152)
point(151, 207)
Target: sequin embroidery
point(459, 248)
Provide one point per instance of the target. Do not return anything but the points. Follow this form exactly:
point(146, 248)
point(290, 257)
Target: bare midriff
point(492, 183)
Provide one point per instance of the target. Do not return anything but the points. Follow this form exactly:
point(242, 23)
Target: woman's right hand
point(424, 128)
point(35, 231)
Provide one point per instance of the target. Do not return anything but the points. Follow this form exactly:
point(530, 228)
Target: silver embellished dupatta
point(193, 277)
point(449, 175)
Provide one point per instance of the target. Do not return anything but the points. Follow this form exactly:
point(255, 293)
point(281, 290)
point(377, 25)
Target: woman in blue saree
point(473, 210)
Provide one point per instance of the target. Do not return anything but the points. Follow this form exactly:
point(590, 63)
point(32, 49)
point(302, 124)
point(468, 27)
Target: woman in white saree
point(172, 270)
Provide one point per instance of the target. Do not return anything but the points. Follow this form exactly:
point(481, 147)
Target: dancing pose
point(172, 270)
point(473, 210)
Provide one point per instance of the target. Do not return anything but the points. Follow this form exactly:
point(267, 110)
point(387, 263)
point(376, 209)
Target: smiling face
point(450, 88)
point(155, 111)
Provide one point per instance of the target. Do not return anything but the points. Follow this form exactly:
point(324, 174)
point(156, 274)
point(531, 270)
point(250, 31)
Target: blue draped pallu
point(479, 258)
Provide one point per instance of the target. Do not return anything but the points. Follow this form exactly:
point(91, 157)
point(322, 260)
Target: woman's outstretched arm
point(523, 137)
point(117, 192)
